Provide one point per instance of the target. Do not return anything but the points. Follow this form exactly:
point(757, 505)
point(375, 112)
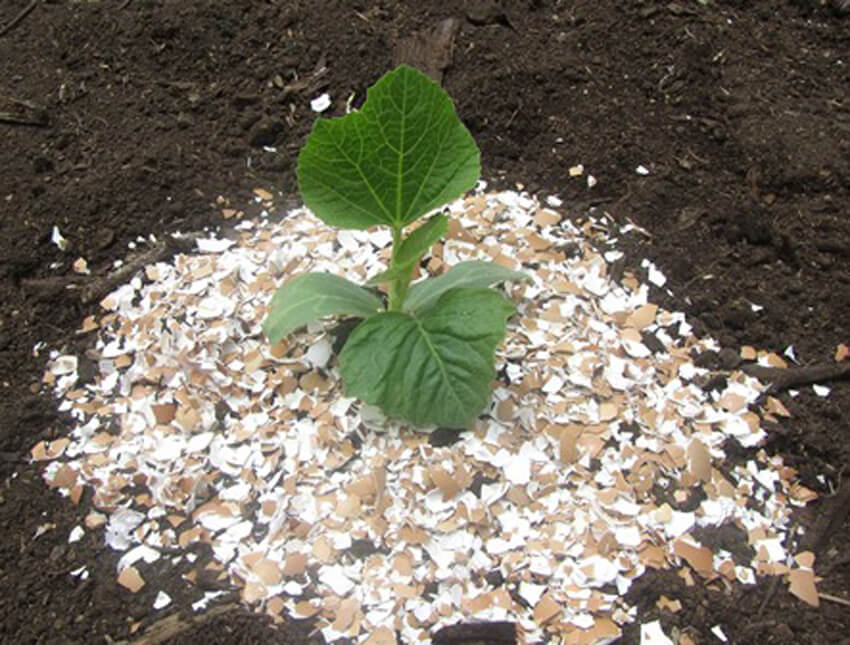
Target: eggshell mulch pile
point(575, 482)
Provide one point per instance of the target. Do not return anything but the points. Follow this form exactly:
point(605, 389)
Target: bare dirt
point(122, 119)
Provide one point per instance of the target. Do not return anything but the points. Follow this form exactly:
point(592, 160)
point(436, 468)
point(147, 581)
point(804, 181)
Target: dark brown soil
point(142, 112)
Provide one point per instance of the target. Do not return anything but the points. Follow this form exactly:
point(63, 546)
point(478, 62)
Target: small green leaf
point(466, 274)
point(431, 369)
point(412, 248)
point(393, 273)
point(404, 153)
point(310, 296)
point(420, 240)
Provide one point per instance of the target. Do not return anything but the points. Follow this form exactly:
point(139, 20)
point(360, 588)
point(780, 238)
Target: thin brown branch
point(95, 288)
point(784, 378)
point(102, 286)
point(168, 628)
point(831, 598)
point(17, 19)
point(9, 117)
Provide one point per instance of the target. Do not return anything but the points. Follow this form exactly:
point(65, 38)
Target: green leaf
point(420, 240)
point(310, 296)
point(393, 273)
point(431, 369)
point(403, 154)
point(466, 274)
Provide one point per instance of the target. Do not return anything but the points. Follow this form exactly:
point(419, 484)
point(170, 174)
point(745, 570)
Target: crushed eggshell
point(58, 239)
point(76, 534)
point(821, 390)
point(802, 585)
point(161, 601)
point(248, 449)
point(320, 103)
point(80, 266)
point(719, 633)
point(263, 194)
point(48, 451)
point(653, 634)
point(699, 557)
point(664, 602)
point(131, 579)
point(546, 610)
point(381, 636)
point(805, 559)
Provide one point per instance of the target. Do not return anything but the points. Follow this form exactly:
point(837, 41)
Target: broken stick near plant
point(780, 379)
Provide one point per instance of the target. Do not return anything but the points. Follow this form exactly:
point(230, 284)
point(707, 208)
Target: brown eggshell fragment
point(295, 564)
point(699, 461)
point(802, 585)
point(131, 579)
point(381, 636)
point(546, 610)
point(445, 482)
point(268, 571)
point(568, 450)
point(699, 557)
point(643, 316)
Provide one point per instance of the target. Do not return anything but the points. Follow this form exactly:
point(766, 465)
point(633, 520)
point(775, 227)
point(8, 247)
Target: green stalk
point(399, 286)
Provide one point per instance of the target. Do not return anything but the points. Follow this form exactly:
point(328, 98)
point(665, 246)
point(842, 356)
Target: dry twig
point(17, 19)
point(37, 116)
point(93, 289)
point(831, 598)
point(9, 117)
point(783, 378)
point(168, 628)
point(830, 519)
point(102, 286)
point(429, 50)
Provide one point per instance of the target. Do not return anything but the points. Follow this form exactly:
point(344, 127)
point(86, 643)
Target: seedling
point(427, 357)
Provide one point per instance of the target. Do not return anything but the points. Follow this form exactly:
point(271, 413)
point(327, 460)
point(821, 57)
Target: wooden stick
point(38, 116)
point(102, 286)
point(9, 117)
point(14, 21)
point(491, 632)
point(429, 50)
point(831, 598)
point(94, 288)
point(782, 379)
point(168, 628)
point(830, 518)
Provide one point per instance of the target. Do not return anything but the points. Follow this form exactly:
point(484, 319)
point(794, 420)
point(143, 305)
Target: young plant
point(427, 357)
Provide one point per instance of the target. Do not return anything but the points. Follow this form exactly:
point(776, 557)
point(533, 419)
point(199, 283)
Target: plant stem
point(395, 301)
point(398, 287)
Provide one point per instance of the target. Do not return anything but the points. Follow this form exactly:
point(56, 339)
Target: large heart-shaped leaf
point(431, 369)
point(403, 154)
point(310, 296)
point(474, 273)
